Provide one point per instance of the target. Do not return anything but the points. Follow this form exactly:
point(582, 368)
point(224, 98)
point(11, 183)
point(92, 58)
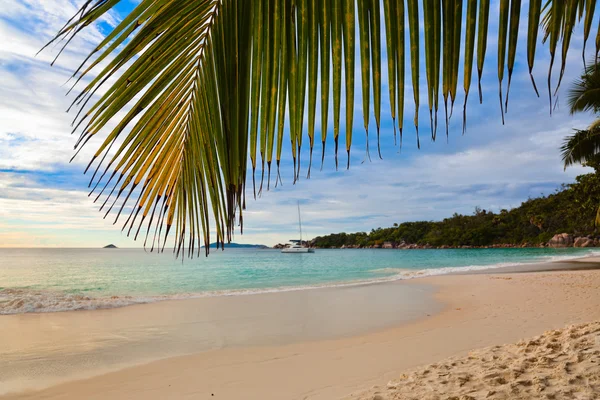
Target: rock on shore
point(561, 240)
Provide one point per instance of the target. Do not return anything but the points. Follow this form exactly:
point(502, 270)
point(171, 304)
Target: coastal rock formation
point(388, 245)
point(583, 242)
point(560, 364)
point(561, 240)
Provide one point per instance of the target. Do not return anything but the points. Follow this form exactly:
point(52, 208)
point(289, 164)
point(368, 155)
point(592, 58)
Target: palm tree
point(584, 145)
point(195, 87)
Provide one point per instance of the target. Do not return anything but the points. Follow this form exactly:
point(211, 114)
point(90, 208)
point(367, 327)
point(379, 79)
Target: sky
point(44, 199)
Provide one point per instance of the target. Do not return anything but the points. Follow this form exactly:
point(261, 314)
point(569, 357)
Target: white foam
point(407, 274)
point(18, 301)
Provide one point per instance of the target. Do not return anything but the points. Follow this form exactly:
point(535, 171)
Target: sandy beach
point(350, 350)
point(243, 200)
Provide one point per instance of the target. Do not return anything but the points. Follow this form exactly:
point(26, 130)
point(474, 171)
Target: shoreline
point(467, 300)
point(33, 301)
point(81, 344)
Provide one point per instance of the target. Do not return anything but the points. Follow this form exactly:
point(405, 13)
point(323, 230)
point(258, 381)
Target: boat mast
point(300, 223)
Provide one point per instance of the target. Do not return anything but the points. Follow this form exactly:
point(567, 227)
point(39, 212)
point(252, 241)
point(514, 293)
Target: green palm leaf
point(582, 146)
point(185, 94)
point(584, 94)
point(469, 52)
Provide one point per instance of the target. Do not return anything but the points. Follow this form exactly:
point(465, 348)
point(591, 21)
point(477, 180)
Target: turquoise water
point(66, 279)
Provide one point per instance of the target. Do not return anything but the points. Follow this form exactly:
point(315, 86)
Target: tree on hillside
point(570, 209)
point(186, 91)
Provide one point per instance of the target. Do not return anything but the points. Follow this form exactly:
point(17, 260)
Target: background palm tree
point(196, 87)
point(584, 145)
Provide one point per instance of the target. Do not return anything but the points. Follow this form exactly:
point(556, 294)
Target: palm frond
point(186, 93)
point(582, 146)
point(584, 94)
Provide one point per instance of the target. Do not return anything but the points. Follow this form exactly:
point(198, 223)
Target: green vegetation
point(571, 209)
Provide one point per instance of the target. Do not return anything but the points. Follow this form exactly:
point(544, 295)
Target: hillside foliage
point(571, 209)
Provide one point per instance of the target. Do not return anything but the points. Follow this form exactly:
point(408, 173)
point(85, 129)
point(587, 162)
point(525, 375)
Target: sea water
point(47, 280)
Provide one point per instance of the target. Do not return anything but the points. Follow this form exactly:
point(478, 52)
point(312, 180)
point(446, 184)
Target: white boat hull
point(297, 250)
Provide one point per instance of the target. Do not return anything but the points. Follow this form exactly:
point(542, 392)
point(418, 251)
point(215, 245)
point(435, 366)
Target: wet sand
point(316, 344)
point(577, 264)
point(43, 349)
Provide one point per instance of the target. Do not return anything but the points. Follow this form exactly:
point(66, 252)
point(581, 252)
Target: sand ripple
point(560, 364)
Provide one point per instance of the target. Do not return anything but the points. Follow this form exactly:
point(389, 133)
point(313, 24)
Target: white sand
point(560, 364)
point(480, 311)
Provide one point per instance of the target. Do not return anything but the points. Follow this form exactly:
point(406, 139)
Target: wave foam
point(407, 274)
point(18, 301)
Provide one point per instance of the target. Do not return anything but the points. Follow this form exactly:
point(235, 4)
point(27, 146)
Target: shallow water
point(46, 280)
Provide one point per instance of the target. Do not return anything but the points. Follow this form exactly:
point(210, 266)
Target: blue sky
point(44, 199)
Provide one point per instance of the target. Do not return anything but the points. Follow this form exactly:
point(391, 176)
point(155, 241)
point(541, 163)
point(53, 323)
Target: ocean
point(52, 280)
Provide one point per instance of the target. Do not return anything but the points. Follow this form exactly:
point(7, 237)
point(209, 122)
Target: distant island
point(110, 246)
point(239, 246)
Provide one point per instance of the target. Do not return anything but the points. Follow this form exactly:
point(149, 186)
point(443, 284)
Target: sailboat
point(298, 247)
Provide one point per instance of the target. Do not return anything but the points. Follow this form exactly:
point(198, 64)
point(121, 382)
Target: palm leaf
point(437, 33)
point(590, 8)
point(400, 62)
point(336, 30)
point(535, 7)
point(580, 147)
point(457, 21)
point(313, 66)
point(502, 33)
point(428, 20)
point(325, 47)
point(469, 52)
point(389, 13)
point(348, 25)
point(584, 94)
point(513, 34)
point(186, 95)
point(413, 27)
point(482, 35)
point(375, 23)
point(365, 63)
